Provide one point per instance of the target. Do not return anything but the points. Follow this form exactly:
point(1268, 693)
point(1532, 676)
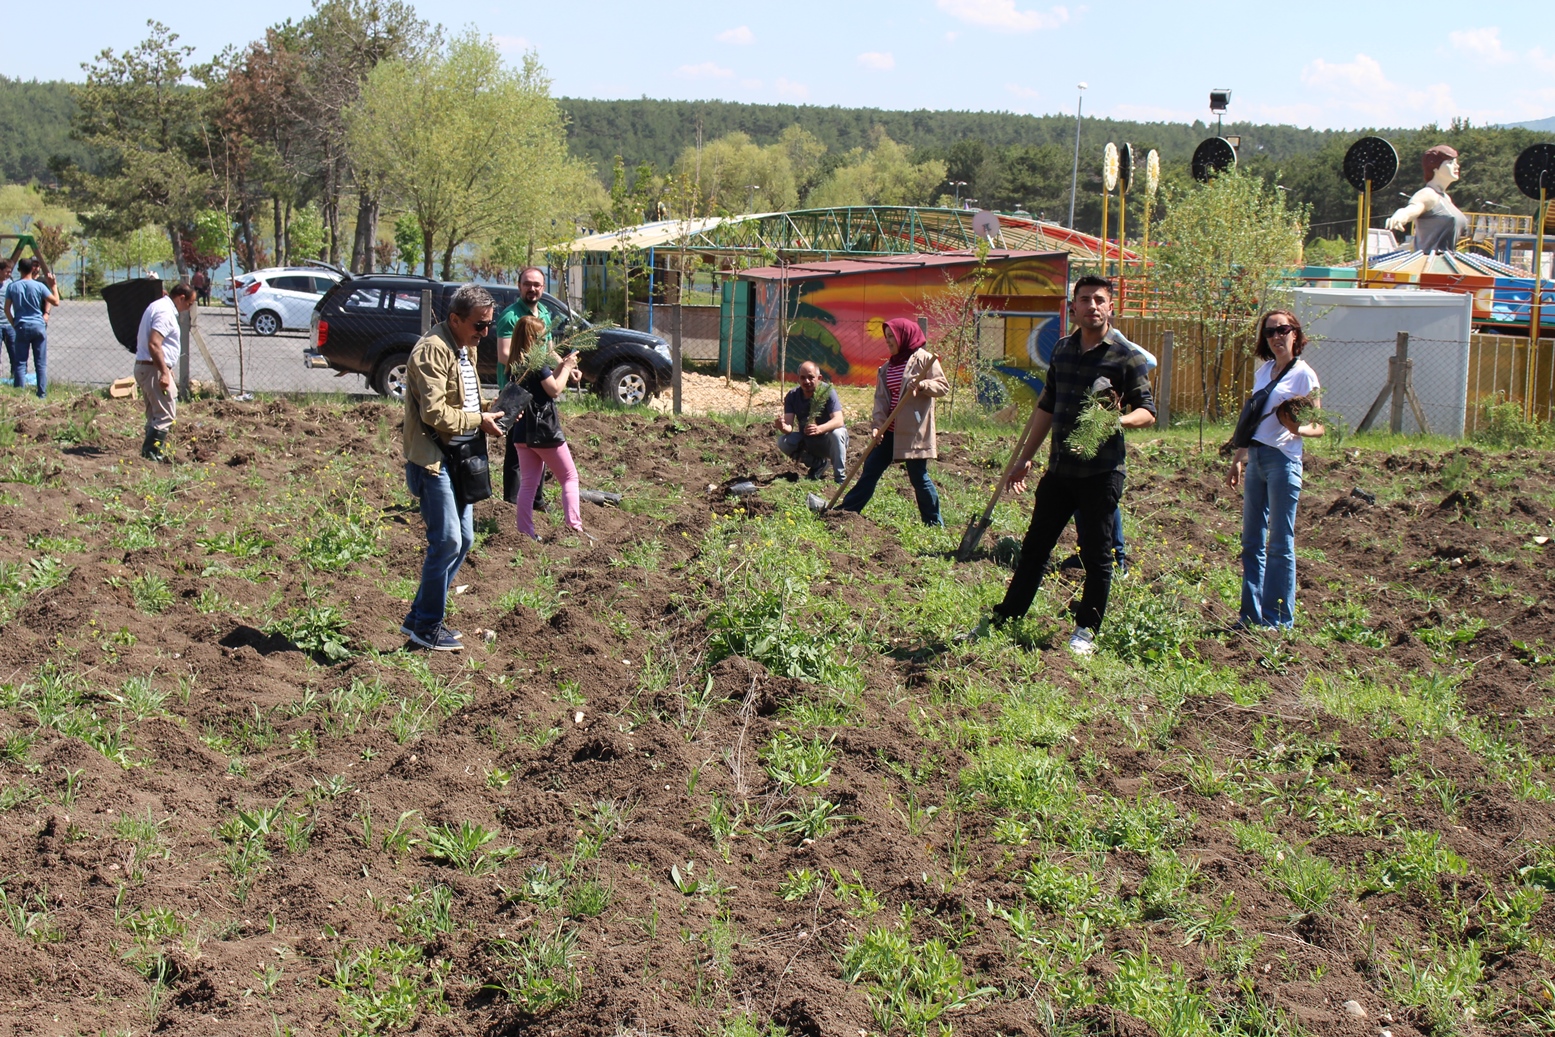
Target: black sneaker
point(409, 631)
point(1072, 562)
point(437, 639)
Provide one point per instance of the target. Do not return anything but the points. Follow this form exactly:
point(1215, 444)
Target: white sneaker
point(1083, 641)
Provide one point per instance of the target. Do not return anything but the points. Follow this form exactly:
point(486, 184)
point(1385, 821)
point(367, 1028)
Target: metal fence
point(83, 351)
point(1452, 385)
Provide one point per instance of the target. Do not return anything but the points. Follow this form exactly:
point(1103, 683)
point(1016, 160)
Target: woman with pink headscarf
point(910, 439)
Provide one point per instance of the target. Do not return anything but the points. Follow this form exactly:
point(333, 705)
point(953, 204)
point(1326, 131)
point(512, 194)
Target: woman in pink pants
point(537, 434)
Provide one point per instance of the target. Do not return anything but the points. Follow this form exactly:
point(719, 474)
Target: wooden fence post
point(1163, 403)
point(426, 310)
point(1396, 369)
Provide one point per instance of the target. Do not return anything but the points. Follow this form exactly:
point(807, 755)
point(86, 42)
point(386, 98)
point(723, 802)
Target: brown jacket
point(434, 396)
point(915, 421)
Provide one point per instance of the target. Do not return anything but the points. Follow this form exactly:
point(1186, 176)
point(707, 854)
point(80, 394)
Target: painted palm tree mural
point(834, 311)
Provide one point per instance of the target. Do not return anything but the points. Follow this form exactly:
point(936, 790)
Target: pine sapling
point(1098, 422)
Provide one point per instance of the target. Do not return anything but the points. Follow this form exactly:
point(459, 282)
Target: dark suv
point(368, 324)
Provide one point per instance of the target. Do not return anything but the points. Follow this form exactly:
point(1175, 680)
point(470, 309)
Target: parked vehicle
point(281, 298)
point(368, 324)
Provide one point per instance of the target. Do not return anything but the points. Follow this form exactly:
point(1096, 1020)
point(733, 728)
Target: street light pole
point(958, 185)
point(1074, 175)
point(750, 199)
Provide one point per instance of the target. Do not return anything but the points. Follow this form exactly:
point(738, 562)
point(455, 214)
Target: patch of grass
point(911, 986)
point(538, 973)
point(460, 846)
point(317, 629)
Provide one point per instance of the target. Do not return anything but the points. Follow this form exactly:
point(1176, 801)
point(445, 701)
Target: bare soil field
point(725, 770)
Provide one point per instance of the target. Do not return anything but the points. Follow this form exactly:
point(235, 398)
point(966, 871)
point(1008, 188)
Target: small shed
point(834, 311)
point(1353, 331)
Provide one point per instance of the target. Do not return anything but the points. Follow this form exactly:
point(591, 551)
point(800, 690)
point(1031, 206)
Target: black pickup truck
point(368, 324)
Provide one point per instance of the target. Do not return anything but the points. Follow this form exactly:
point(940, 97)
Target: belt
point(145, 363)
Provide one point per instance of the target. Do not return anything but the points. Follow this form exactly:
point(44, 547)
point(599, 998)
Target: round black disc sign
point(1535, 168)
point(1212, 156)
point(1370, 158)
point(1125, 166)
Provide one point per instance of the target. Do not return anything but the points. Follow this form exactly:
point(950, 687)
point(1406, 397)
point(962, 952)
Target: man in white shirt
point(157, 347)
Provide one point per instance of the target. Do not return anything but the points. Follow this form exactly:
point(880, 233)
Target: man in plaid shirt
point(1093, 359)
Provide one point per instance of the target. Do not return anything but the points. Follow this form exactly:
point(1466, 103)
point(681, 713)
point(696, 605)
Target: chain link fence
point(83, 351)
point(1452, 381)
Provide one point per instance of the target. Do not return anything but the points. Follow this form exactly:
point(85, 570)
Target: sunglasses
point(483, 325)
point(1277, 329)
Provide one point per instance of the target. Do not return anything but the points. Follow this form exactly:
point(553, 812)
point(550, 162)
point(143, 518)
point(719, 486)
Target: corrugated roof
point(650, 235)
point(836, 267)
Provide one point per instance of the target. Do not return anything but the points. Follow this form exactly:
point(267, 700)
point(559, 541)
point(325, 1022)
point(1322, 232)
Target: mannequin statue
point(1438, 223)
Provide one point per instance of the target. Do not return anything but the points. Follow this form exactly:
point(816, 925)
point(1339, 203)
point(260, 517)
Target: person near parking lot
point(531, 285)
point(157, 349)
point(1086, 364)
point(7, 333)
point(537, 434)
point(811, 426)
point(201, 283)
point(443, 407)
point(911, 437)
point(27, 304)
point(1270, 473)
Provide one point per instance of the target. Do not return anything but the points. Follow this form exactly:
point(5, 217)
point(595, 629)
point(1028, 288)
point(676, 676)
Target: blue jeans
point(35, 339)
point(450, 535)
point(832, 448)
point(917, 474)
point(1271, 487)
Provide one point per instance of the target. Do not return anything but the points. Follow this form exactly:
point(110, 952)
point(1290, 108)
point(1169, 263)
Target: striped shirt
point(1070, 376)
point(894, 369)
point(470, 382)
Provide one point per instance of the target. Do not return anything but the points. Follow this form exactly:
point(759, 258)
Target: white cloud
point(1023, 92)
point(705, 70)
point(1483, 44)
point(950, 37)
point(512, 44)
point(741, 35)
point(876, 61)
point(1362, 88)
point(791, 90)
point(1003, 14)
point(751, 84)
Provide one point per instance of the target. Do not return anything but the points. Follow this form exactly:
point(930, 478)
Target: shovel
point(819, 506)
point(978, 526)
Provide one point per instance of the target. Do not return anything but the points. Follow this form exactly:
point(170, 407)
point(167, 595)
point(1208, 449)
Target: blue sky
point(1324, 64)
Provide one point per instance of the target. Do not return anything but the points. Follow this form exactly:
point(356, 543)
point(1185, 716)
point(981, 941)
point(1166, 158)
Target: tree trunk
point(366, 233)
point(448, 259)
point(280, 233)
point(332, 210)
point(426, 252)
point(177, 241)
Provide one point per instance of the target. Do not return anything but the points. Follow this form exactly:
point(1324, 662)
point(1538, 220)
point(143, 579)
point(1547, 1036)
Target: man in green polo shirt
point(531, 285)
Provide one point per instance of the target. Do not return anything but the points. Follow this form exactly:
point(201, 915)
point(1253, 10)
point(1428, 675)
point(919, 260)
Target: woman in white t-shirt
point(1270, 471)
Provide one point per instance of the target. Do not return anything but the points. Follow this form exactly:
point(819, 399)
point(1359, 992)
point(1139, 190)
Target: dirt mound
point(721, 769)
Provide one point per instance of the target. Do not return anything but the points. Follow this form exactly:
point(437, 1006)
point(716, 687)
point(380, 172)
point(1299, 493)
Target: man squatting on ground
point(1087, 490)
point(813, 430)
point(442, 406)
point(531, 285)
point(157, 348)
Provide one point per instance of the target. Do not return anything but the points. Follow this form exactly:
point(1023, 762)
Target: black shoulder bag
point(468, 467)
point(1253, 413)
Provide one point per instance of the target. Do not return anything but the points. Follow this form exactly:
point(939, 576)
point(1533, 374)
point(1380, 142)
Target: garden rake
point(978, 526)
point(821, 506)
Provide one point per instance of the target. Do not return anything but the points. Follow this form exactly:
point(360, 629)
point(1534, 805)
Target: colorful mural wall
point(836, 310)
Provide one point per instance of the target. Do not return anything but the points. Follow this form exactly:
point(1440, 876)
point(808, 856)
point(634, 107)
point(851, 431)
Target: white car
point(281, 298)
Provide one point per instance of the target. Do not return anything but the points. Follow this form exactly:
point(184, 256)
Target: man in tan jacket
point(443, 406)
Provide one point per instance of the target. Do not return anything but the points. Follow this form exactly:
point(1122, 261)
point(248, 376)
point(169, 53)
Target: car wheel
point(389, 379)
point(626, 384)
point(265, 323)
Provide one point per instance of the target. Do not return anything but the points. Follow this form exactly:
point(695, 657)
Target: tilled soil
point(546, 721)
